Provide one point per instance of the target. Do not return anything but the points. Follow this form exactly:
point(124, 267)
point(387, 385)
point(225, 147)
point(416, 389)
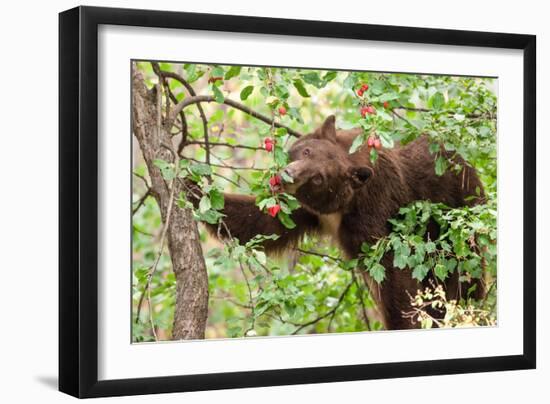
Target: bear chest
point(330, 225)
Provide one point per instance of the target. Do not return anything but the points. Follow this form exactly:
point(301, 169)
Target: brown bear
point(350, 199)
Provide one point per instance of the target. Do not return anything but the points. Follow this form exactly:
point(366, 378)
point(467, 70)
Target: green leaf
point(161, 163)
point(373, 155)
point(217, 71)
point(377, 87)
point(216, 199)
point(350, 81)
point(267, 202)
point(329, 76)
point(378, 272)
point(357, 143)
point(386, 139)
point(384, 115)
point(400, 261)
point(233, 71)
point(420, 271)
point(440, 165)
point(166, 169)
point(388, 97)
point(299, 84)
point(245, 93)
point(286, 178)
point(280, 156)
point(294, 113)
point(211, 216)
point(286, 220)
point(434, 148)
point(313, 79)
point(204, 204)
point(234, 331)
point(430, 247)
point(437, 101)
point(218, 95)
point(281, 91)
point(200, 169)
point(440, 271)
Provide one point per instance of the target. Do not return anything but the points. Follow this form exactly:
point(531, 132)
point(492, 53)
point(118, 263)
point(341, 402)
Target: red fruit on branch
point(386, 104)
point(369, 109)
point(377, 144)
point(282, 111)
point(275, 183)
point(275, 180)
point(370, 141)
point(273, 210)
point(269, 144)
point(365, 87)
point(360, 92)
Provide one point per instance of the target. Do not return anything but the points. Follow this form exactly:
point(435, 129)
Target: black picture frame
point(78, 200)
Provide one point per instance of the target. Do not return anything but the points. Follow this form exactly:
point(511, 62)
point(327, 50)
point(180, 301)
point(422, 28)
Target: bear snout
point(293, 170)
point(289, 172)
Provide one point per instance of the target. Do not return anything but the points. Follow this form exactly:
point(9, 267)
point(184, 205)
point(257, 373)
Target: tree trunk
point(182, 234)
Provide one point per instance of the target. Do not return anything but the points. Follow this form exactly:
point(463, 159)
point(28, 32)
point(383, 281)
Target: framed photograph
point(249, 201)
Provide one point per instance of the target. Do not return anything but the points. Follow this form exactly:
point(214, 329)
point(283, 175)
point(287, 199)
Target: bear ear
point(359, 175)
point(328, 130)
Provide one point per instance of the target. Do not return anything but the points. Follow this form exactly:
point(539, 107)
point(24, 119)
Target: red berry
point(275, 183)
point(365, 87)
point(377, 144)
point(370, 141)
point(364, 111)
point(273, 210)
point(370, 109)
point(386, 104)
point(360, 92)
point(269, 144)
point(282, 111)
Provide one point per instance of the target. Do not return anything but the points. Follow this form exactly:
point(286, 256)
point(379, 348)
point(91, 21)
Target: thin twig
point(225, 165)
point(141, 177)
point(336, 259)
point(328, 313)
point(233, 146)
point(251, 299)
point(360, 293)
point(141, 201)
point(487, 115)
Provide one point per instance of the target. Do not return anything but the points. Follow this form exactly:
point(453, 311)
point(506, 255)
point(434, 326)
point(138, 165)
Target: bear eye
point(317, 180)
point(306, 152)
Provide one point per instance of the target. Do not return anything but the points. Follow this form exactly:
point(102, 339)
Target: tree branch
point(208, 98)
point(223, 144)
point(191, 91)
point(470, 116)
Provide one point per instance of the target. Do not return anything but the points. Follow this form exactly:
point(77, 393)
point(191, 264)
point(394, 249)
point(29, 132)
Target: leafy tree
point(230, 127)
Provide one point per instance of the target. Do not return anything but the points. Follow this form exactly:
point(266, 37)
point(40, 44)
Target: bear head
point(324, 175)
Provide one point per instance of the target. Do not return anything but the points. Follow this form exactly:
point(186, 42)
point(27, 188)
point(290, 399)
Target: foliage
point(431, 307)
point(313, 289)
point(466, 242)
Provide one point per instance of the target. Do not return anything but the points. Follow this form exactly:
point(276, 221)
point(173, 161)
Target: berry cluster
point(368, 109)
point(269, 144)
point(374, 141)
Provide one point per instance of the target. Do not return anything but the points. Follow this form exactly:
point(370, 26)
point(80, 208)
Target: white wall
point(28, 316)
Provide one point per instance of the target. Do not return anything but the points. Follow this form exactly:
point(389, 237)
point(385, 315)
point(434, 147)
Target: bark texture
point(182, 234)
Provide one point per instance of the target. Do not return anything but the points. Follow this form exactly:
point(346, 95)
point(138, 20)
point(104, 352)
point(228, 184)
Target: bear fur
point(350, 199)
